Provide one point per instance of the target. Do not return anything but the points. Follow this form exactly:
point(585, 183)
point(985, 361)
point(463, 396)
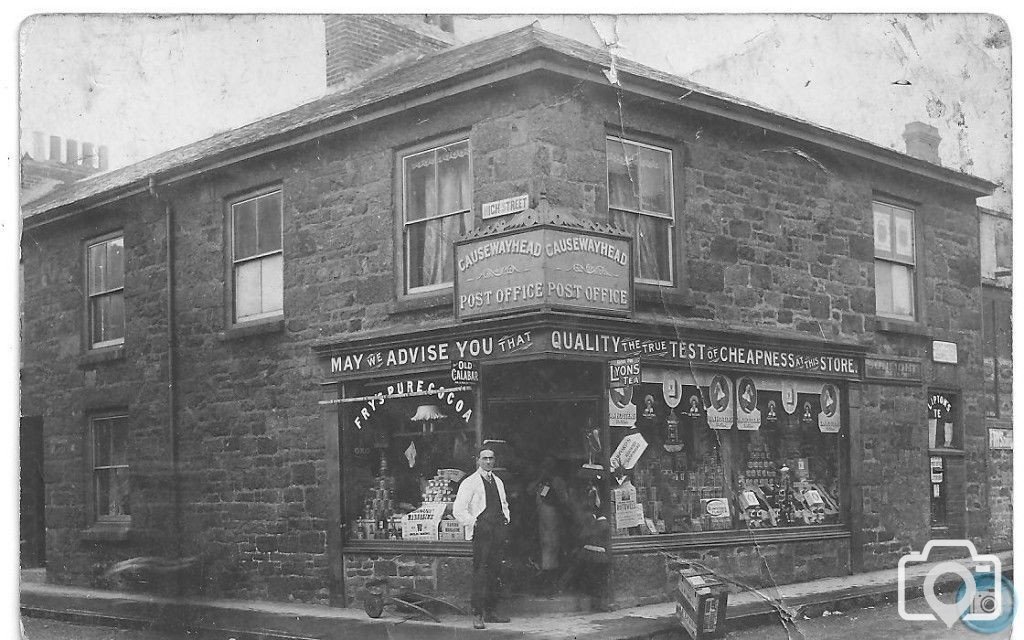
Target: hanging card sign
point(770, 405)
point(829, 418)
point(807, 408)
point(672, 388)
point(721, 414)
point(748, 416)
point(789, 396)
point(621, 410)
point(628, 453)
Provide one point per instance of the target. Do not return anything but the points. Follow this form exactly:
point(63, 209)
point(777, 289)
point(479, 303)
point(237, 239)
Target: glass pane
point(420, 196)
point(883, 288)
point(655, 181)
point(429, 247)
point(623, 191)
point(272, 283)
point(96, 309)
point(245, 229)
point(989, 248)
point(115, 263)
point(654, 249)
point(102, 477)
point(247, 289)
point(1003, 244)
point(902, 290)
point(624, 220)
point(97, 268)
point(904, 233)
point(119, 493)
point(883, 237)
point(453, 178)
point(269, 216)
point(101, 443)
point(113, 316)
point(118, 441)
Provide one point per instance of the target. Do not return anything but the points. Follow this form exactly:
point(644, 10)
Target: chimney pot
point(104, 159)
point(72, 156)
point(922, 141)
point(54, 149)
point(88, 155)
point(38, 146)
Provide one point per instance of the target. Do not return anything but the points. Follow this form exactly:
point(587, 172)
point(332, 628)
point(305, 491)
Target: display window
point(406, 443)
point(710, 451)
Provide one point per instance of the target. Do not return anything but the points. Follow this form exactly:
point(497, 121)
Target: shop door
point(543, 446)
point(33, 524)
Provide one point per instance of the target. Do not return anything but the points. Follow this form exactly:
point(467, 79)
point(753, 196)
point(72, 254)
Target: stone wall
point(775, 241)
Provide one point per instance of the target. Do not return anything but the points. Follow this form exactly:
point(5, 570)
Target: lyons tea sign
point(543, 268)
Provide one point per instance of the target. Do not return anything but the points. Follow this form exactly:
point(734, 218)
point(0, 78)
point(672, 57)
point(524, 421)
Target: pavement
point(257, 620)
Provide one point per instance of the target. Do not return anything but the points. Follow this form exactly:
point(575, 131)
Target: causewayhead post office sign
point(545, 268)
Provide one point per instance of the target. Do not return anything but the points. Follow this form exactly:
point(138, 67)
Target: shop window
point(640, 200)
point(105, 263)
point(111, 494)
point(894, 261)
point(406, 445)
point(437, 190)
point(723, 452)
point(257, 257)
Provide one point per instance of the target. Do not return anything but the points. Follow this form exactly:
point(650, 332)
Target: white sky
point(141, 85)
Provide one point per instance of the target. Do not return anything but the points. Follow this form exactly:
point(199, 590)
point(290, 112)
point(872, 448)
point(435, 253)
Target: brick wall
point(358, 43)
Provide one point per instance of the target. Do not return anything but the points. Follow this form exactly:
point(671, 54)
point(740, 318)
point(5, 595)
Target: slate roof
point(434, 72)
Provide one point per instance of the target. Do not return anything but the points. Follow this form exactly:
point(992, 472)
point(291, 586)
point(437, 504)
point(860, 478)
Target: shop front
point(716, 447)
point(728, 448)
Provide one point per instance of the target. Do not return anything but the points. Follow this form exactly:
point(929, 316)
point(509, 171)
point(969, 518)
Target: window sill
point(651, 297)
point(894, 325)
point(254, 328)
point(409, 304)
point(108, 532)
point(103, 354)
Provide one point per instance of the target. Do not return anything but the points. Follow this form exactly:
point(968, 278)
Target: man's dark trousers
point(489, 536)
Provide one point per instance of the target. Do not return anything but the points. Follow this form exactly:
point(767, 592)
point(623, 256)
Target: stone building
point(277, 348)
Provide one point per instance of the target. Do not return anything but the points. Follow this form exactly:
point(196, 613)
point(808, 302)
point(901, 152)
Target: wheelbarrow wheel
point(373, 605)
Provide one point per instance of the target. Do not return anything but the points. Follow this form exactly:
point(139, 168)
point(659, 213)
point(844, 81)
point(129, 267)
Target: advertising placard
point(830, 418)
point(748, 416)
point(720, 409)
point(623, 372)
point(621, 410)
point(628, 453)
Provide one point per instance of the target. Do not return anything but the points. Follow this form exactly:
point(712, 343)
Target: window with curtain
point(105, 260)
point(110, 479)
point(894, 261)
point(257, 258)
point(438, 186)
point(640, 201)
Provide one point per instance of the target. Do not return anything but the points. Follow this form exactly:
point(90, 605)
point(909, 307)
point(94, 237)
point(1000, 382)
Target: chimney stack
point(358, 45)
point(922, 141)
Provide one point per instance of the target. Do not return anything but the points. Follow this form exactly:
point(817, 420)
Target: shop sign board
point(1000, 438)
point(465, 372)
point(663, 351)
point(881, 368)
point(505, 206)
point(543, 268)
point(706, 353)
point(944, 352)
point(623, 372)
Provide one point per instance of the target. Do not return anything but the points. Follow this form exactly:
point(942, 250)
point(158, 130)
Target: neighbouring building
point(761, 342)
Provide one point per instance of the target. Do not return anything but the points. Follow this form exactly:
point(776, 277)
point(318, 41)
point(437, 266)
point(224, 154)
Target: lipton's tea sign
point(543, 268)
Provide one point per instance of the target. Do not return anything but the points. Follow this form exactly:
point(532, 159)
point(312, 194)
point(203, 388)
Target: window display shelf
point(453, 548)
point(702, 539)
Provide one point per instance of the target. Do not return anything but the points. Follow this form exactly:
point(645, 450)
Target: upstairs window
point(257, 259)
point(105, 258)
point(640, 201)
point(996, 247)
point(437, 201)
point(894, 261)
point(110, 480)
